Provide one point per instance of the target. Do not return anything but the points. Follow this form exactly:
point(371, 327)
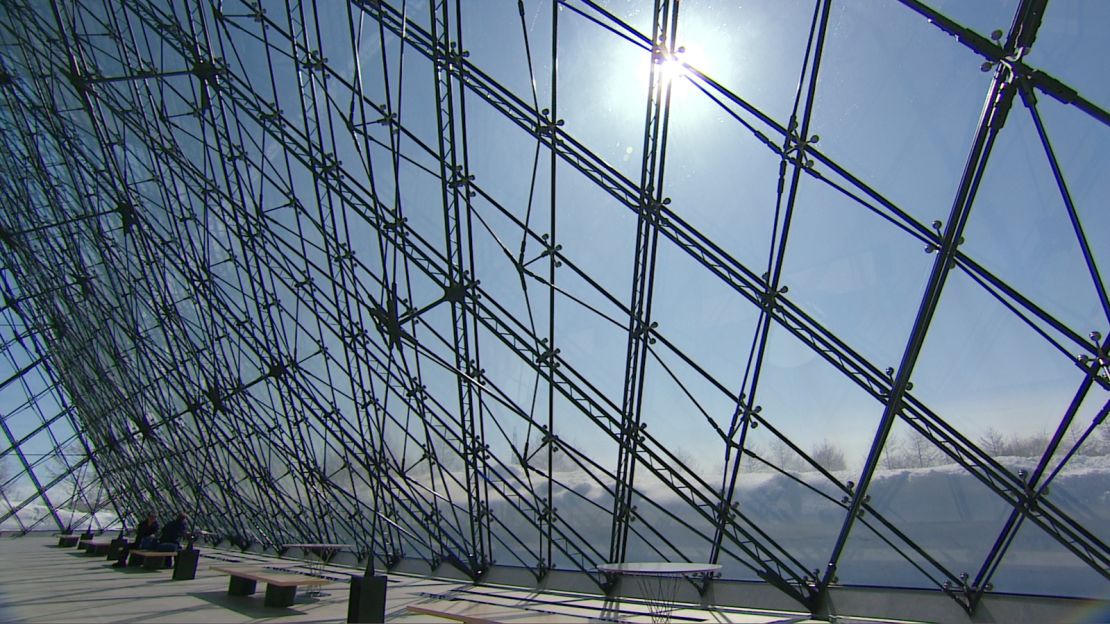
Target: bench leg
point(185, 566)
point(367, 599)
point(115, 548)
point(240, 586)
point(277, 596)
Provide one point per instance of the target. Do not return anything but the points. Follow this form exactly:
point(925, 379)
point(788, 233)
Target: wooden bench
point(281, 587)
point(93, 547)
point(149, 559)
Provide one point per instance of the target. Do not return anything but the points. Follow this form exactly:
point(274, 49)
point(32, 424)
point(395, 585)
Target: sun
point(672, 69)
point(627, 83)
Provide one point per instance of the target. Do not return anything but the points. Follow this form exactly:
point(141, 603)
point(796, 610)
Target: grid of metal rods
point(253, 263)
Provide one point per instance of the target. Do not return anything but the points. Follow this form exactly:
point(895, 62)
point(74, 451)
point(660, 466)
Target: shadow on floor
point(251, 606)
point(79, 598)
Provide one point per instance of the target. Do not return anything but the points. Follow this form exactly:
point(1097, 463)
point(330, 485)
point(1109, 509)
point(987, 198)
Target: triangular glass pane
point(782, 494)
point(603, 88)
point(509, 490)
point(753, 49)
point(501, 156)
point(592, 344)
point(887, 76)
point(878, 554)
point(1077, 140)
point(936, 504)
point(720, 179)
point(1019, 229)
point(584, 492)
point(853, 272)
point(21, 420)
point(665, 528)
point(596, 233)
point(1067, 47)
point(30, 514)
point(982, 369)
point(1038, 564)
point(983, 17)
point(685, 415)
point(495, 33)
point(832, 422)
point(834, 415)
point(703, 317)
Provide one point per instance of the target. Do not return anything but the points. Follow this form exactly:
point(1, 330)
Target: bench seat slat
point(154, 553)
point(281, 579)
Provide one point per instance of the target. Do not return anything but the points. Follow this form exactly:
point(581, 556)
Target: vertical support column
point(664, 30)
point(547, 514)
point(456, 194)
point(793, 161)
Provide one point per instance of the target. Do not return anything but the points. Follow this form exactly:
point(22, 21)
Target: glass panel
point(1023, 389)
point(703, 320)
point(799, 510)
point(808, 401)
point(754, 49)
point(603, 89)
point(886, 77)
point(664, 530)
point(495, 33)
point(584, 516)
point(948, 513)
point(1068, 45)
point(984, 17)
point(1038, 564)
point(597, 234)
point(720, 178)
point(853, 273)
point(1019, 229)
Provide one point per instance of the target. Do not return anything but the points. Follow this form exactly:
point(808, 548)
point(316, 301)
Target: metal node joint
point(453, 56)
point(549, 357)
point(644, 331)
point(545, 126)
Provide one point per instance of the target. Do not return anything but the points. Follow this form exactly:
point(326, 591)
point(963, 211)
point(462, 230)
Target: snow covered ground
point(950, 514)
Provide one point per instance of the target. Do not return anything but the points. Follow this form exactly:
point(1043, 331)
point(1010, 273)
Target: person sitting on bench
point(174, 530)
point(145, 532)
point(168, 541)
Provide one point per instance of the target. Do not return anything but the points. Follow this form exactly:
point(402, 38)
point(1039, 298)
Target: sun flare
point(673, 69)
